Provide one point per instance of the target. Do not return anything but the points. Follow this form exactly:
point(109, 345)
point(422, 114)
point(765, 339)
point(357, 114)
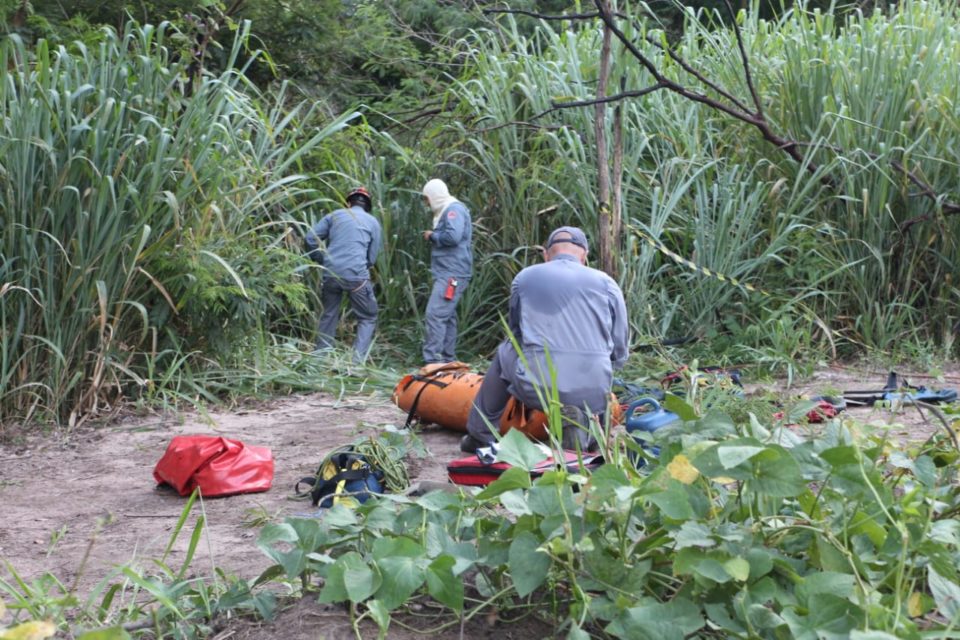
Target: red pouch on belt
point(451, 290)
point(220, 467)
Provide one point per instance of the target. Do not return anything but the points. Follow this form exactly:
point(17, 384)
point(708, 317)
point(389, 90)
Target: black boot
point(469, 444)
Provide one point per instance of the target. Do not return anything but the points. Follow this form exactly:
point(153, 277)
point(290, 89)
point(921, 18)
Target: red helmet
point(361, 194)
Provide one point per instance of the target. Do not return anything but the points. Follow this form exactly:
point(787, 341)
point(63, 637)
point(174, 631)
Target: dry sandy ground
point(93, 489)
point(55, 491)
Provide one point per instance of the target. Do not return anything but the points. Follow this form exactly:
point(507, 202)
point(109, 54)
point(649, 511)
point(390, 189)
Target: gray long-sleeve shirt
point(578, 315)
point(451, 254)
point(353, 240)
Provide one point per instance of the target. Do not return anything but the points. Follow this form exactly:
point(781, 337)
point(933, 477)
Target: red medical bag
point(472, 471)
point(220, 467)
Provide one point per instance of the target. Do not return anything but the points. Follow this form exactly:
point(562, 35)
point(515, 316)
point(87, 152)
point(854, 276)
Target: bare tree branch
point(616, 200)
point(696, 74)
point(234, 8)
point(788, 146)
point(604, 100)
point(745, 60)
point(543, 16)
point(733, 106)
point(528, 125)
point(606, 240)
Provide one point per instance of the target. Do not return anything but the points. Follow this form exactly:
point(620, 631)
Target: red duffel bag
point(220, 467)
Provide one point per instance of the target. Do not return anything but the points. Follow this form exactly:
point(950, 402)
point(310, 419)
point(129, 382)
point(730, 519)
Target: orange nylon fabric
point(444, 394)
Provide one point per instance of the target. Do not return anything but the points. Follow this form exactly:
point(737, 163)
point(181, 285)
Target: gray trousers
point(440, 332)
point(363, 304)
point(495, 390)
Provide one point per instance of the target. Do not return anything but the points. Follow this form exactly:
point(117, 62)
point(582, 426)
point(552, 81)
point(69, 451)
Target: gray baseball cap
point(573, 235)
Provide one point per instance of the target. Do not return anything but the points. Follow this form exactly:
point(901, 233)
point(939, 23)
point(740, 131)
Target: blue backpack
point(344, 477)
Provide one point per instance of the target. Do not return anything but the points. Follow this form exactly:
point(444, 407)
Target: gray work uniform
point(565, 313)
point(451, 256)
point(352, 239)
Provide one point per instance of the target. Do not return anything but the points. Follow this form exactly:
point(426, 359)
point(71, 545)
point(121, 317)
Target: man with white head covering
point(570, 322)
point(451, 263)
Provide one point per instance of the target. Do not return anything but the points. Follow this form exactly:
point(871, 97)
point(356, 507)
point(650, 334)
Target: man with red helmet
point(352, 239)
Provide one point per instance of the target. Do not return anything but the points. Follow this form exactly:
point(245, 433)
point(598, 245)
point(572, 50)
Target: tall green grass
point(879, 91)
point(862, 93)
point(137, 218)
point(148, 236)
point(523, 157)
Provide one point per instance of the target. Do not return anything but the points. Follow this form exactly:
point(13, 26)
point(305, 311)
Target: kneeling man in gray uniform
point(566, 314)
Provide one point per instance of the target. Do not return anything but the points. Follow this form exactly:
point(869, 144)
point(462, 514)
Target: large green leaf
point(719, 615)
point(512, 478)
point(856, 634)
point(926, 471)
point(674, 502)
point(709, 462)
point(676, 405)
point(381, 615)
point(444, 584)
point(842, 455)
point(609, 571)
point(762, 617)
point(440, 543)
point(694, 534)
point(550, 500)
point(861, 523)
point(712, 569)
point(946, 593)
point(946, 532)
point(761, 562)
point(515, 502)
point(769, 470)
point(825, 582)
point(831, 558)
point(731, 456)
point(672, 620)
point(528, 566)
point(828, 616)
point(776, 473)
point(309, 532)
point(605, 481)
point(439, 500)
point(274, 532)
point(402, 564)
point(293, 560)
point(349, 579)
point(738, 568)
point(517, 449)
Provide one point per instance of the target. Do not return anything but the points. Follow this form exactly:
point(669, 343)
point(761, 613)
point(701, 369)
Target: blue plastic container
point(648, 421)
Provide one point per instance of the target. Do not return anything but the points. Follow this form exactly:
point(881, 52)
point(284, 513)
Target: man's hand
point(427, 235)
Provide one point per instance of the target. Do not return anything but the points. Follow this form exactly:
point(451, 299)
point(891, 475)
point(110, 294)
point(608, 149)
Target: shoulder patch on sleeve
point(452, 214)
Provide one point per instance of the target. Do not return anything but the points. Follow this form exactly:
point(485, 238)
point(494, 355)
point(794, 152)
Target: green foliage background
point(156, 174)
point(738, 529)
point(154, 182)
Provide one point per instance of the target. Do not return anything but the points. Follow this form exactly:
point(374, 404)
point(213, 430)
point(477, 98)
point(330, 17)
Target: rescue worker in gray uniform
point(352, 240)
point(451, 264)
point(565, 313)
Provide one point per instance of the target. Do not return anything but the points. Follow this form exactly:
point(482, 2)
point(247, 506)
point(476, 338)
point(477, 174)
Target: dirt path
point(61, 496)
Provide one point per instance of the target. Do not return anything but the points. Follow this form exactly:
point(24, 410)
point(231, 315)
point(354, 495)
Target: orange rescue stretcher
point(443, 394)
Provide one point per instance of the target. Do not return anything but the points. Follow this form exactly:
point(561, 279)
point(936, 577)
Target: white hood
point(439, 197)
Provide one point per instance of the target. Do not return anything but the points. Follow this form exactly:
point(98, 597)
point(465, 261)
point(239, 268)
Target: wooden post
point(605, 239)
